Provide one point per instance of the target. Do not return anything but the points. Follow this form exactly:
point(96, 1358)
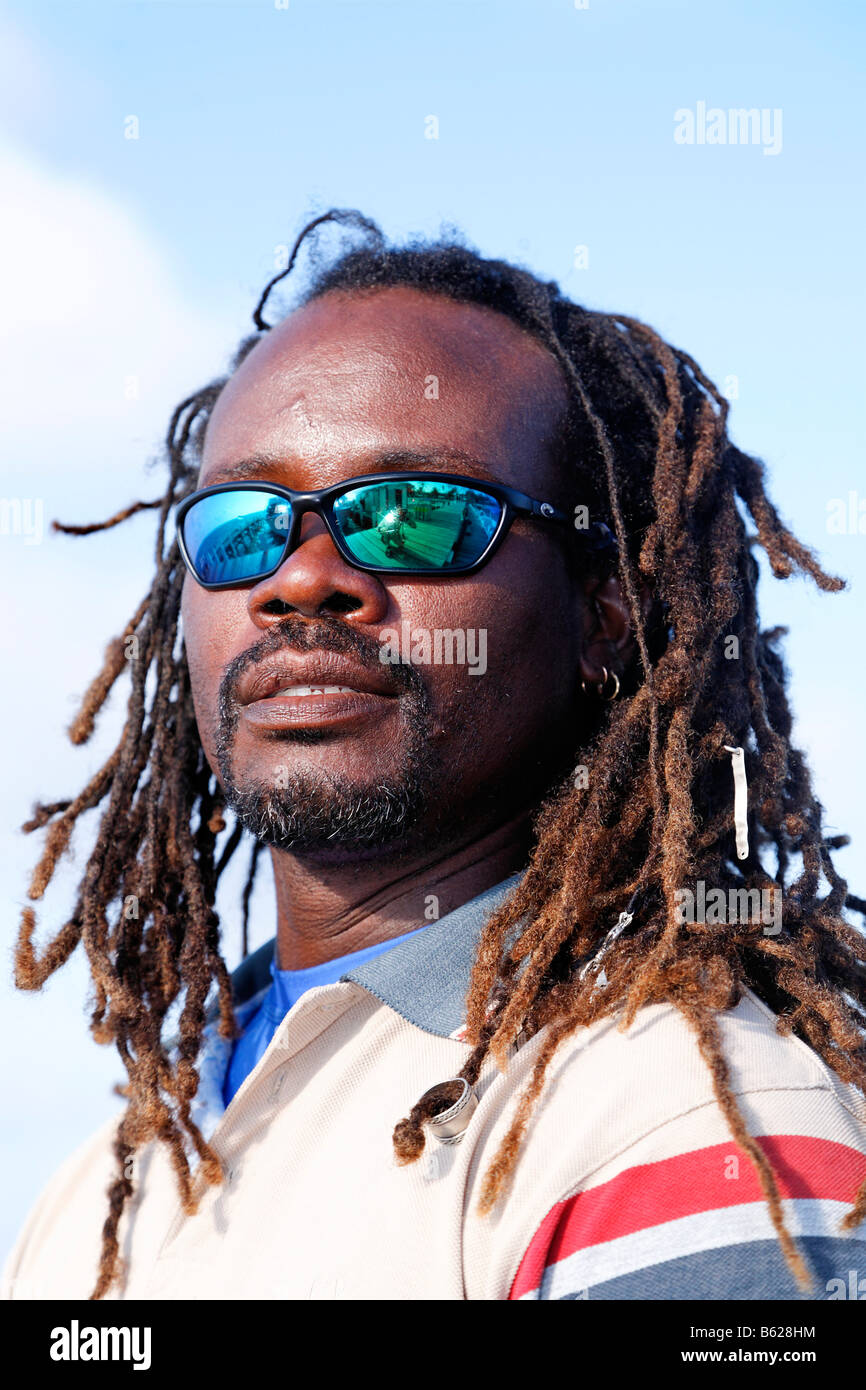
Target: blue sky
point(130, 268)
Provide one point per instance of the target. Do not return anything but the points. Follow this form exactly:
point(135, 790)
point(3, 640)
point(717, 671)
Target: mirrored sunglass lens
point(417, 524)
point(234, 536)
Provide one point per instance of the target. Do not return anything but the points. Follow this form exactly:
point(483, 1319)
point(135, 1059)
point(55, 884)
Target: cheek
point(202, 623)
point(522, 618)
point(532, 653)
point(530, 610)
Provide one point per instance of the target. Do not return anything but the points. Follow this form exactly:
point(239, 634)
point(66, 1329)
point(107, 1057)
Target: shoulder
point(628, 1161)
point(56, 1254)
point(58, 1250)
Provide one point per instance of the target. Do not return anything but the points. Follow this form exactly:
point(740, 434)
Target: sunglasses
point(386, 523)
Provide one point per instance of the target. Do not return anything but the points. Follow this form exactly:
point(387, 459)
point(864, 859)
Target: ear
point(608, 636)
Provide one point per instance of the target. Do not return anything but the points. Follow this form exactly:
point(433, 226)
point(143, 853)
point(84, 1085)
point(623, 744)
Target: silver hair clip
point(624, 919)
point(741, 800)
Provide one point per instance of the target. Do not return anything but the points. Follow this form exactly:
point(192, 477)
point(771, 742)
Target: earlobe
point(607, 688)
point(609, 644)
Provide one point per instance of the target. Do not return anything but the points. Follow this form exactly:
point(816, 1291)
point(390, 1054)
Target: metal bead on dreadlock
point(456, 1104)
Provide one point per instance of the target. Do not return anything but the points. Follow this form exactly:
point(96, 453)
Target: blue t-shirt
point(286, 990)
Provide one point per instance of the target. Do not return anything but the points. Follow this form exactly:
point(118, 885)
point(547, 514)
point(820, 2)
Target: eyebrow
point(263, 467)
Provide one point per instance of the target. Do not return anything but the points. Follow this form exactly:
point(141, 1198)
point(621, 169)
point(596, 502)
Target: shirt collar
point(424, 979)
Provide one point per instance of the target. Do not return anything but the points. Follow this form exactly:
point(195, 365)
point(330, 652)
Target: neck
point(325, 912)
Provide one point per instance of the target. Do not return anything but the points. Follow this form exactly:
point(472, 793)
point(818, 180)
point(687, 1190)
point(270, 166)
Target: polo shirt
point(628, 1184)
point(286, 988)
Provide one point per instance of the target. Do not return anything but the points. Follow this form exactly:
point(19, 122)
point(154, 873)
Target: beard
point(326, 813)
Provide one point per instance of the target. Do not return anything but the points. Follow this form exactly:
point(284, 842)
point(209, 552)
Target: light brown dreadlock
point(645, 439)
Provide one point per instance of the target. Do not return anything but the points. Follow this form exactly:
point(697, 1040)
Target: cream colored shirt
point(628, 1183)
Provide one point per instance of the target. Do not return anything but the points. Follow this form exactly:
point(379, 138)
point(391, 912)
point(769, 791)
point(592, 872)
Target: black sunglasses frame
point(512, 502)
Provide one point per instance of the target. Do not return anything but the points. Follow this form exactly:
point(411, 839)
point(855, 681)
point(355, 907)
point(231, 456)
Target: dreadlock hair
point(646, 445)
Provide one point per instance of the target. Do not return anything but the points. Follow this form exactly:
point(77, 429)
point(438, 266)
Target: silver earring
point(602, 685)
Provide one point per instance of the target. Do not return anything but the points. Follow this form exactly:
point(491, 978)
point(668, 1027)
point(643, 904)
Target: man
point(526, 909)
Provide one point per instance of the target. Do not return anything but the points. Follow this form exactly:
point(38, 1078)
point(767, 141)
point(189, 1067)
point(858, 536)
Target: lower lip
point(317, 711)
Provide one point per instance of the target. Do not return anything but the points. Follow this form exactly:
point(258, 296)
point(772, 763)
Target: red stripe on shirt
point(652, 1193)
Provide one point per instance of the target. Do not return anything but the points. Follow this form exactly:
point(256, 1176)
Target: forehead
point(351, 377)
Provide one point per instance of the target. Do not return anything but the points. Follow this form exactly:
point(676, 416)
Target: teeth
point(317, 690)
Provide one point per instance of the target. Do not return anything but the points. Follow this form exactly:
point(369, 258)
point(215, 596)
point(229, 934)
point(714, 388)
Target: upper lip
point(262, 681)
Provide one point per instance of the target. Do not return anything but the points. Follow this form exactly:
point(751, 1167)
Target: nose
point(316, 581)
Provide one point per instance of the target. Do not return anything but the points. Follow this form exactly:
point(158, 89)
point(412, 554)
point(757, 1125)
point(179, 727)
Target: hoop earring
point(615, 678)
point(600, 687)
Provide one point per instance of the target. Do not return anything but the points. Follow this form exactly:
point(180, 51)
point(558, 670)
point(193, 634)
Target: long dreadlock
point(646, 444)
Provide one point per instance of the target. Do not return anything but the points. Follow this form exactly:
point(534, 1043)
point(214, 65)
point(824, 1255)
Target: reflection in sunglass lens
point(416, 524)
point(236, 536)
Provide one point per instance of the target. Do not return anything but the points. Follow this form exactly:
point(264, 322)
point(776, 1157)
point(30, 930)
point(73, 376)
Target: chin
point(332, 816)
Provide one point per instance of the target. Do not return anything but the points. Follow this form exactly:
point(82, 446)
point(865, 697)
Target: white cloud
point(95, 329)
point(89, 300)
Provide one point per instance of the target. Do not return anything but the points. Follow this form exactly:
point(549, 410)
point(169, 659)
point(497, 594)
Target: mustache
point(305, 635)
